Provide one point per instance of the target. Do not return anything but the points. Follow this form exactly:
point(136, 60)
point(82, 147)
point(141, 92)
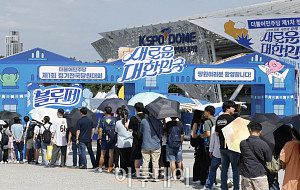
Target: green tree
point(174, 89)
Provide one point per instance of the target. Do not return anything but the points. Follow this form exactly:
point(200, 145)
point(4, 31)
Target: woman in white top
point(124, 141)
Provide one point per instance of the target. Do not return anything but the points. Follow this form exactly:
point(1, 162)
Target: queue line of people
point(158, 143)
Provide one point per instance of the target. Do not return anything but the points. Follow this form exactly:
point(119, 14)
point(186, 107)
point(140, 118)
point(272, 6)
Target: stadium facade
point(196, 44)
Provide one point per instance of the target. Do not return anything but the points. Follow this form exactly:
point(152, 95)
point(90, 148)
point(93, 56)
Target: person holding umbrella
point(174, 132)
point(84, 136)
point(290, 159)
point(151, 144)
point(254, 152)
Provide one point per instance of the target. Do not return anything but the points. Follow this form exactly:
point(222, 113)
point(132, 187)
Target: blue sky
point(68, 27)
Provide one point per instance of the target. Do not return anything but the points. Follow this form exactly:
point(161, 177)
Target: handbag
point(49, 152)
point(272, 167)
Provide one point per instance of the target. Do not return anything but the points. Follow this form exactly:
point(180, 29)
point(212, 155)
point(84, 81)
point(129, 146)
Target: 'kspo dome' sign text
point(170, 39)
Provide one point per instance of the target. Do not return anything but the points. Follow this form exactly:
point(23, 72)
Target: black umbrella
point(8, 116)
point(275, 136)
point(162, 108)
point(282, 135)
point(74, 116)
point(267, 133)
point(296, 125)
point(290, 119)
point(114, 103)
point(271, 117)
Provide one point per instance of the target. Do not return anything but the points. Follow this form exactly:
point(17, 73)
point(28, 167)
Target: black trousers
point(204, 169)
point(98, 154)
point(125, 161)
point(116, 157)
point(31, 155)
point(201, 165)
point(5, 155)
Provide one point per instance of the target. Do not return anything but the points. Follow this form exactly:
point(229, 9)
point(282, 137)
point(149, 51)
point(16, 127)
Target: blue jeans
point(74, 150)
point(215, 162)
point(44, 148)
point(227, 157)
point(82, 153)
point(18, 149)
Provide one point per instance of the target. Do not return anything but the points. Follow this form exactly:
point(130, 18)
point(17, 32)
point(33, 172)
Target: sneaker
point(155, 180)
point(21, 162)
point(181, 178)
point(82, 167)
point(9, 161)
point(161, 176)
point(50, 166)
point(110, 169)
point(196, 182)
point(99, 170)
point(204, 188)
point(229, 183)
point(1, 162)
point(74, 167)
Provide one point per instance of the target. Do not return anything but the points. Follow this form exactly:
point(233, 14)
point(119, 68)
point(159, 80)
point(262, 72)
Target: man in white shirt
point(59, 139)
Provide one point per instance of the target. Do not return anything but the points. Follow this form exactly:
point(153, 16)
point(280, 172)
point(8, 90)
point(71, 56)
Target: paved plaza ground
point(26, 176)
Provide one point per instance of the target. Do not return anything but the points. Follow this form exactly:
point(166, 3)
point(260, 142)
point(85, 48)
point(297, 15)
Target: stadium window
point(279, 109)
point(257, 108)
point(278, 83)
point(151, 81)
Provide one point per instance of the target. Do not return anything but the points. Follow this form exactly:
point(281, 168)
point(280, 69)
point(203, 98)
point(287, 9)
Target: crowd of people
point(158, 144)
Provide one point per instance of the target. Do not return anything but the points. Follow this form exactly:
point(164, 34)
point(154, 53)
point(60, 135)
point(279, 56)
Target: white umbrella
point(2, 122)
point(39, 114)
point(145, 98)
point(216, 105)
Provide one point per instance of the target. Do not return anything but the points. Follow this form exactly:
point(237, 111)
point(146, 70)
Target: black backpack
point(30, 130)
point(174, 138)
point(47, 135)
point(109, 126)
point(138, 133)
point(4, 139)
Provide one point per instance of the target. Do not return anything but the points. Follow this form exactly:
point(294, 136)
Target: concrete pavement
point(26, 176)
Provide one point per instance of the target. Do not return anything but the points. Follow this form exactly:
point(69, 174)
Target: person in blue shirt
point(152, 130)
point(84, 136)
